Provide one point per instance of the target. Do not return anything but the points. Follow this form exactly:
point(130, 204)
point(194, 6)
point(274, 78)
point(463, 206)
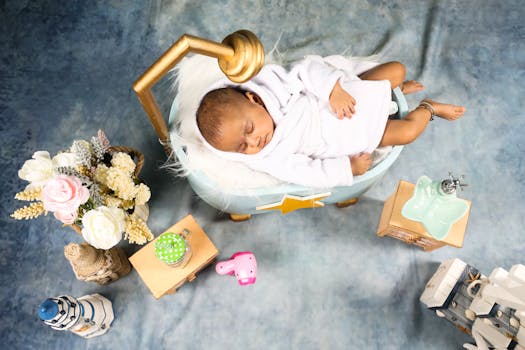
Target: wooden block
point(162, 279)
point(394, 224)
point(386, 215)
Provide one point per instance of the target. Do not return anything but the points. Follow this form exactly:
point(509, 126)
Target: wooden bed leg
point(347, 203)
point(240, 217)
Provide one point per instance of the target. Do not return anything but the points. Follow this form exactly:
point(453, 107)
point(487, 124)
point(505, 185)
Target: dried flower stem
point(29, 195)
point(103, 140)
point(30, 211)
point(137, 231)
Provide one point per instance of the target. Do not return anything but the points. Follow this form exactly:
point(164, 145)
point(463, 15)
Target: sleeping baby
point(316, 124)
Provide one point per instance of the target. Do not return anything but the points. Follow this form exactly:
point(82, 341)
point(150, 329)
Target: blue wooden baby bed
point(240, 56)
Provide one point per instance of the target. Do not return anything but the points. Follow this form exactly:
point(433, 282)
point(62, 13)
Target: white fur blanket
point(193, 76)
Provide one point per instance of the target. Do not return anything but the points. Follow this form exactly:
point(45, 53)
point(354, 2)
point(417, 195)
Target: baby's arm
point(322, 79)
point(341, 102)
point(360, 163)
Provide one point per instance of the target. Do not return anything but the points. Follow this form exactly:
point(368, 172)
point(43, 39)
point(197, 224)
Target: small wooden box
point(393, 224)
point(162, 279)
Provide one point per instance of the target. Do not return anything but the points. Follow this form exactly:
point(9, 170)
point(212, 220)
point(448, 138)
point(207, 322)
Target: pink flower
point(66, 218)
point(63, 195)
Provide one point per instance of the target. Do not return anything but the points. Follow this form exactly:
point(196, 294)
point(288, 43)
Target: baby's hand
point(341, 102)
point(360, 163)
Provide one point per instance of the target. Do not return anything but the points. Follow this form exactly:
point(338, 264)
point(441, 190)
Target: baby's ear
point(253, 98)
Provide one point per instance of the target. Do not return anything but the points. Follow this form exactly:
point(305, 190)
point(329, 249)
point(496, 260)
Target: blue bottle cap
point(47, 310)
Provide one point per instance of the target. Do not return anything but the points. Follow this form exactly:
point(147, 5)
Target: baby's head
point(234, 120)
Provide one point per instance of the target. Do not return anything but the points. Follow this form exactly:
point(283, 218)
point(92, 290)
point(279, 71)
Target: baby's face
point(247, 129)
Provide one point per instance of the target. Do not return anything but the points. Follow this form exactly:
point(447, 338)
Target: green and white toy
point(173, 249)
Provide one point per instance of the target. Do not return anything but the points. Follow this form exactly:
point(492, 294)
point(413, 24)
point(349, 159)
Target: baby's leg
point(394, 72)
point(404, 131)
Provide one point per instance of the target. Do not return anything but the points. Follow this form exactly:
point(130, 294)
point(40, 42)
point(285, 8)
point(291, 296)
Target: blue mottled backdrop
point(325, 281)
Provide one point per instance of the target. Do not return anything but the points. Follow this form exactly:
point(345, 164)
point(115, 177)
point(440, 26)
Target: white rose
point(103, 227)
point(37, 170)
point(64, 159)
point(40, 169)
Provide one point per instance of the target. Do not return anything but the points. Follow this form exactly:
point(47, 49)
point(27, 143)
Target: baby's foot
point(411, 86)
point(446, 111)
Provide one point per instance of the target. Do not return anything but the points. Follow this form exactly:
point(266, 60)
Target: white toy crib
point(240, 57)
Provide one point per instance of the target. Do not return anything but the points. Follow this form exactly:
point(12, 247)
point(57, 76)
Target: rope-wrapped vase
point(97, 265)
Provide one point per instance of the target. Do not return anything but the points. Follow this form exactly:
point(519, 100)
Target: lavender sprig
point(98, 149)
point(82, 152)
point(96, 194)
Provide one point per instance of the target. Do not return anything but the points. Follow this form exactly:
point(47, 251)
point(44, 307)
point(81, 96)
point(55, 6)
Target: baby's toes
point(459, 111)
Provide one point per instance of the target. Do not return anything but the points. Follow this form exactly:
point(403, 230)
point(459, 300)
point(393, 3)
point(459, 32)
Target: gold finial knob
point(240, 57)
point(248, 57)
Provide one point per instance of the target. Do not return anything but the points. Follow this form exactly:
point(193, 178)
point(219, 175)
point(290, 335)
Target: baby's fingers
point(364, 155)
point(351, 110)
point(345, 111)
point(341, 112)
point(352, 106)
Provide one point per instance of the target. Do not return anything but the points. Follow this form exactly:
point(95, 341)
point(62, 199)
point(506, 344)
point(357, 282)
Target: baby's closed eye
point(242, 147)
point(250, 128)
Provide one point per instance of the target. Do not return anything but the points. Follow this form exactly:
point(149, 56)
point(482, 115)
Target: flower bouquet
point(92, 187)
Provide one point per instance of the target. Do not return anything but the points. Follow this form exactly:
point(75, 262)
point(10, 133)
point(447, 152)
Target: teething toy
point(242, 264)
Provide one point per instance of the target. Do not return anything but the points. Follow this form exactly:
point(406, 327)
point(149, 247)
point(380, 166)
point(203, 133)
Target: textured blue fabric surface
point(325, 280)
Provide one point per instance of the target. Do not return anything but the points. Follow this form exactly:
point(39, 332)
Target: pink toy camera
point(242, 264)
